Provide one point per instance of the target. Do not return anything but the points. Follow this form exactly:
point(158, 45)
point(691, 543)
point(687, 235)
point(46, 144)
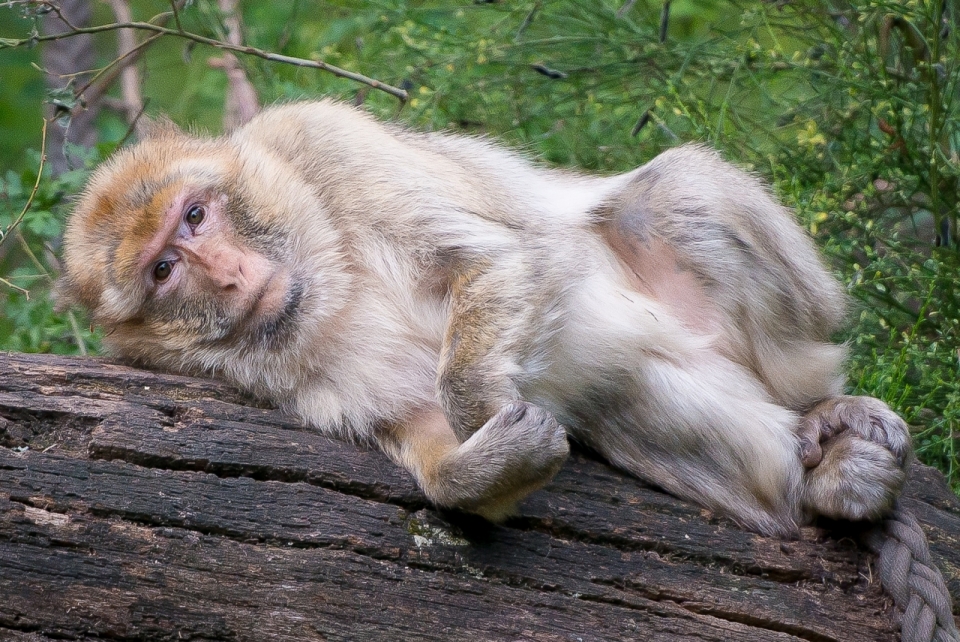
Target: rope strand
point(909, 575)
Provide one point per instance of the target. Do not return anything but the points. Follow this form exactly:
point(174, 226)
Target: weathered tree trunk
point(140, 506)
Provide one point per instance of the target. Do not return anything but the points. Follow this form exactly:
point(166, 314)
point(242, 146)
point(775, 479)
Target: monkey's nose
point(224, 271)
point(227, 279)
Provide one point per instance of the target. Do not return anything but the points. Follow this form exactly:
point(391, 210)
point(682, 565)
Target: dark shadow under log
point(141, 506)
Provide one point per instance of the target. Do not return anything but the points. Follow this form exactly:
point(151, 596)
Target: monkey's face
point(200, 278)
point(164, 251)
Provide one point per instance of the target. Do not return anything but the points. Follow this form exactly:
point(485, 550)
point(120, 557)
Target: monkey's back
point(413, 210)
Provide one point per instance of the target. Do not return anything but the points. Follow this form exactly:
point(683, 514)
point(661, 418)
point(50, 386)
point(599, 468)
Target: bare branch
point(625, 9)
point(75, 329)
point(134, 124)
point(101, 82)
point(527, 21)
point(67, 63)
point(30, 255)
point(664, 21)
point(4, 234)
point(10, 285)
point(60, 14)
point(218, 44)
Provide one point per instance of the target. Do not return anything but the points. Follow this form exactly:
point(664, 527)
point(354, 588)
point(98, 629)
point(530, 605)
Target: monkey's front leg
point(515, 452)
point(495, 448)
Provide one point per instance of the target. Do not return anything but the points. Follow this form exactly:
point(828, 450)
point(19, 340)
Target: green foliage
point(848, 108)
point(28, 322)
point(874, 174)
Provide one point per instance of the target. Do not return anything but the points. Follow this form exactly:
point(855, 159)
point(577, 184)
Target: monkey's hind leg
point(514, 453)
point(855, 450)
point(707, 432)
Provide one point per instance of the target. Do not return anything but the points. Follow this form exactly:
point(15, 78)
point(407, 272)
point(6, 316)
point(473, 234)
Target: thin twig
point(664, 21)
point(133, 124)
point(129, 77)
point(527, 21)
point(43, 159)
point(101, 87)
point(22, 291)
point(641, 123)
point(218, 44)
point(56, 10)
point(33, 257)
point(75, 328)
point(176, 15)
point(241, 102)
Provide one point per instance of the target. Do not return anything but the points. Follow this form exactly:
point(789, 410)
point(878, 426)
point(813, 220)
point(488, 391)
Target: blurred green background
point(849, 110)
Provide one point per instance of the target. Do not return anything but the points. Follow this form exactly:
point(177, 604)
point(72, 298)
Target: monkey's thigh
point(754, 309)
point(707, 431)
point(685, 418)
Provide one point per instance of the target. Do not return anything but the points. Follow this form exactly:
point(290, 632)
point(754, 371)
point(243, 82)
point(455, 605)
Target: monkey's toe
point(868, 418)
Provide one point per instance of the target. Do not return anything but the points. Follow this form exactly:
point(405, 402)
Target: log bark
point(144, 506)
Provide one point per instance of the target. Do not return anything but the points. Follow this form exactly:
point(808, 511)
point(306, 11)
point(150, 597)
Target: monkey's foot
point(517, 451)
point(855, 450)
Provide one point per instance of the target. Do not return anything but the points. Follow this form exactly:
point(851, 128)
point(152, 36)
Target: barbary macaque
point(467, 310)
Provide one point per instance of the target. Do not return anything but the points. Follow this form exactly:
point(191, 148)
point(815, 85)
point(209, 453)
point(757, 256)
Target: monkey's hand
point(855, 450)
point(517, 451)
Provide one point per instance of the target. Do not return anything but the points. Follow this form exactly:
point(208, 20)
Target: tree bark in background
point(61, 58)
point(241, 102)
point(131, 99)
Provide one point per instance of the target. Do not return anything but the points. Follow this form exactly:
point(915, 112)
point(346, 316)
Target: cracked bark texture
point(142, 506)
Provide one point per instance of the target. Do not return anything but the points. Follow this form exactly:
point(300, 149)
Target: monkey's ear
point(157, 128)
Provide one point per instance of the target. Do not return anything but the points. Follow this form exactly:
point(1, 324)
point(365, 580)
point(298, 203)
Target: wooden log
point(142, 506)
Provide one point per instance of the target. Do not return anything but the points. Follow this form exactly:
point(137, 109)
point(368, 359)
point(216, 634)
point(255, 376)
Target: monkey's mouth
point(274, 330)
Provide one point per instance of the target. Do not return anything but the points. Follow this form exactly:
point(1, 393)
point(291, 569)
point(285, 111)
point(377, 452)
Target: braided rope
point(909, 575)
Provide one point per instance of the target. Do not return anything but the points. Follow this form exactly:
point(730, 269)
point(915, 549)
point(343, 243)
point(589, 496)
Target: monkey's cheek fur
point(856, 479)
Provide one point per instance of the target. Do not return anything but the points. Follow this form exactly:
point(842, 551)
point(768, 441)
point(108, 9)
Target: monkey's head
point(177, 250)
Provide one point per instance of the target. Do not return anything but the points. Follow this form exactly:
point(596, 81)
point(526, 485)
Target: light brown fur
point(465, 308)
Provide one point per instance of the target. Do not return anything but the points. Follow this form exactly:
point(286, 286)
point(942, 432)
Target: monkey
point(470, 311)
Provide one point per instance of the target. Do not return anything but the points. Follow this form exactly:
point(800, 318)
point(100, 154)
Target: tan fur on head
point(153, 129)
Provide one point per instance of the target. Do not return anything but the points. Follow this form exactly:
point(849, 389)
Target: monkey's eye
point(195, 214)
point(162, 270)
